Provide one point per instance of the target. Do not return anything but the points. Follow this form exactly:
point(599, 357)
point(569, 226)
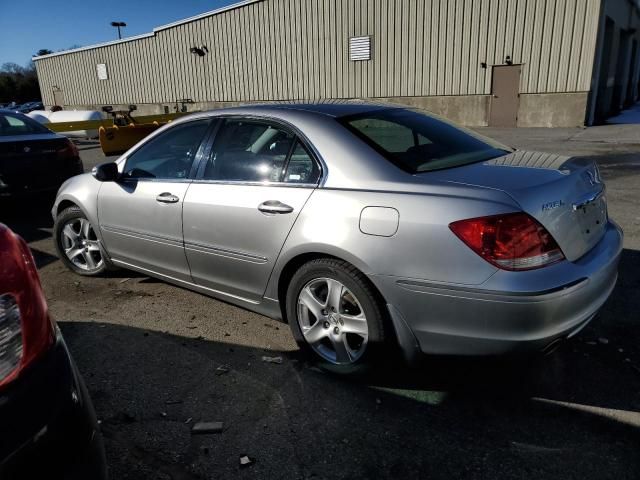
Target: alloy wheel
point(81, 245)
point(332, 321)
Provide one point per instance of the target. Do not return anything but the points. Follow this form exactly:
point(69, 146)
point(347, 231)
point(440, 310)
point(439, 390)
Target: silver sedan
point(363, 226)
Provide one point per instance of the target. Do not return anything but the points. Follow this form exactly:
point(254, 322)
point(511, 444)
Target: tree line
point(20, 84)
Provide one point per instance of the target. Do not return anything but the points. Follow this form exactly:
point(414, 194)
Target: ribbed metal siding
point(298, 49)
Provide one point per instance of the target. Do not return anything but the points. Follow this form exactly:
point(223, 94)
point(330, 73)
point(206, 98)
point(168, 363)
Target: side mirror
point(106, 172)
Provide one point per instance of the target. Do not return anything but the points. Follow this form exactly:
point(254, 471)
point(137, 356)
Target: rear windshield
point(417, 142)
point(16, 124)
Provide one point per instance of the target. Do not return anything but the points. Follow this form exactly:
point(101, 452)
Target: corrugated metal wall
point(298, 49)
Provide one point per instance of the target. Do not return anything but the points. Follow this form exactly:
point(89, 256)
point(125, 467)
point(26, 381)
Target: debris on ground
point(124, 280)
point(204, 428)
point(277, 360)
point(172, 402)
point(527, 447)
point(188, 420)
point(603, 340)
point(222, 369)
point(163, 414)
point(122, 417)
point(245, 461)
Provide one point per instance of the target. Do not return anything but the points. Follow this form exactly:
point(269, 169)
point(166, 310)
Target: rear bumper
point(49, 425)
point(491, 319)
point(32, 183)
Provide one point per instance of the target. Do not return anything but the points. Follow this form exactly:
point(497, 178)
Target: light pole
point(118, 25)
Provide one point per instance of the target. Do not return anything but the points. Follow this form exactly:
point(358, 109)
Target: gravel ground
point(157, 358)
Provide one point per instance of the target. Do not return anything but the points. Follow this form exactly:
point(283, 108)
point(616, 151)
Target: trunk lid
point(565, 194)
point(33, 161)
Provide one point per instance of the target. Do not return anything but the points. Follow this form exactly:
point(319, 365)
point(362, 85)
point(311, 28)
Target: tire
point(77, 244)
point(323, 335)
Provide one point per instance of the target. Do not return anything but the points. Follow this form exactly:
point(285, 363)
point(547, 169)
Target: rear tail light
point(513, 241)
point(69, 150)
point(10, 335)
point(26, 330)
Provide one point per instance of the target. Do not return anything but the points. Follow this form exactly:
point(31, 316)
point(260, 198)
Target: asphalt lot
point(157, 358)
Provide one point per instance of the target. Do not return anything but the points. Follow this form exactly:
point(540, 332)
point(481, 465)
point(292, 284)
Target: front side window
point(258, 151)
point(170, 155)
point(418, 142)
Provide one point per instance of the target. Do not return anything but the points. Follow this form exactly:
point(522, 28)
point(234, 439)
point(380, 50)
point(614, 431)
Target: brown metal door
point(58, 98)
point(505, 100)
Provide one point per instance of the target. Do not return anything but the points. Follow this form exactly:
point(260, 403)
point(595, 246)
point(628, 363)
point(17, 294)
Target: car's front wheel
point(77, 243)
point(336, 316)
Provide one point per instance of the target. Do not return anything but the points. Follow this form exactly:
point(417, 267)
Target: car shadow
point(463, 419)
point(609, 340)
point(29, 217)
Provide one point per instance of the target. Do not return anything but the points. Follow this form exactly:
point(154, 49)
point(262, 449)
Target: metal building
point(478, 62)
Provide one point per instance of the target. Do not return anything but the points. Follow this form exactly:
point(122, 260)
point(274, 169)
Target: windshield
point(15, 124)
point(418, 142)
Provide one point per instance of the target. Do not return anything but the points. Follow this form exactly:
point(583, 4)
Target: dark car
point(32, 157)
point(47, 422)
point(30, 107)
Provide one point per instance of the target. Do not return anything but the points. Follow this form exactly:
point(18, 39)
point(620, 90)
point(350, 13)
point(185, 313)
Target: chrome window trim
point(156, 180)
point(255, 184)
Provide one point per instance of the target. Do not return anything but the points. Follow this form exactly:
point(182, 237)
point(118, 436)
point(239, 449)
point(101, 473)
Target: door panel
point(232, 245)
point(58, 98)
point(505, 100)
point(140, 216)
point(142, 225)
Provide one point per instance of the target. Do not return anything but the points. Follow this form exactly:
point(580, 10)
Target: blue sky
point(26, 26)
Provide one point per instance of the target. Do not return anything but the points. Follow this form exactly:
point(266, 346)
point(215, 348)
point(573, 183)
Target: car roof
point(336, 108)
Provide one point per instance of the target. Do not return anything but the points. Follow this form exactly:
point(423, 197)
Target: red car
point(49, 428)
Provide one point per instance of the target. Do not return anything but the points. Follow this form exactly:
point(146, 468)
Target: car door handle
point(167, 197)
point(274, 206)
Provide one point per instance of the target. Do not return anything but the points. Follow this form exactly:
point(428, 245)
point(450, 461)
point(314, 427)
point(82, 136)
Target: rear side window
point(301, 168)
point(418, 142)
point(170, 155)
point(258, 151)
point(11, 124)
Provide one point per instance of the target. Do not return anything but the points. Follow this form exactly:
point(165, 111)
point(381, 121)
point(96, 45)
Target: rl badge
point(552, 205)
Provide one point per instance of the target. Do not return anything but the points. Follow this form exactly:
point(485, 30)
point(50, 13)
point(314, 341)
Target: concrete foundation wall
point(552, 109)
point(536, 110)
point(469, 110)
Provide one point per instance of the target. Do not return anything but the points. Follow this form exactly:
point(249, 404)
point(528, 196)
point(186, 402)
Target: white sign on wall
point(102, 71)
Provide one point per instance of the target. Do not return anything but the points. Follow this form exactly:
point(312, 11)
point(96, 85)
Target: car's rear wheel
point(336, 316)
point(77, 243)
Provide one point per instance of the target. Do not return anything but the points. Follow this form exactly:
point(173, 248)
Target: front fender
point(82, 191)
